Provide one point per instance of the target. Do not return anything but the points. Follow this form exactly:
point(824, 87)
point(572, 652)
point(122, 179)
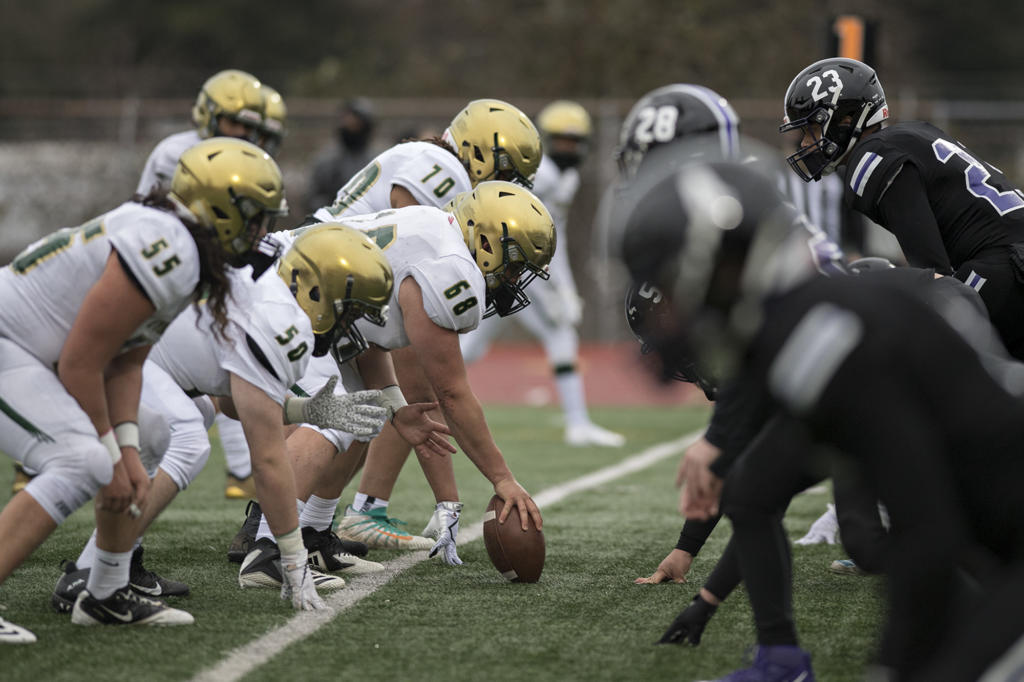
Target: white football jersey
point(431, 174)
point(557, 188)
point(424, 243)
point(268, 341)
point(159, 168)
point(42, 290)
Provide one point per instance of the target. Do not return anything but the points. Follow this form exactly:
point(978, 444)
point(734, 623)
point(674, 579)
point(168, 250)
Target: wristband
point(127, 435)
point(293, 410)
point(290, 543)
point(392, 400)
point(112, 447)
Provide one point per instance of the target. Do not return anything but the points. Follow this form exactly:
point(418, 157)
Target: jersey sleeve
point(161, 255)
point(453, 293)
point(433, 177)
point(159, 168)
point(872, 167)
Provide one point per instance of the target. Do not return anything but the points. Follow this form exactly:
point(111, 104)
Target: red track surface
point(613, 374)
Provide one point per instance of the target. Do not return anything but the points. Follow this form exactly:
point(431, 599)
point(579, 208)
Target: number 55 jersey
point(424, 243)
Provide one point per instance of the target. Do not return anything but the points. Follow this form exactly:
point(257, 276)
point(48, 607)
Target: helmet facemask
point(831, 140)
point(506, 283)
point(504, 167)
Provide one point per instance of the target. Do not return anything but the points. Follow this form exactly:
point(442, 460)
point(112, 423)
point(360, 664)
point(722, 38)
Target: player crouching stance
point(275, 324)
point(79, 311)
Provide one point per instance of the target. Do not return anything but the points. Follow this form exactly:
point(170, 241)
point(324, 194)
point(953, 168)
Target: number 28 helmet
point(832, 101)
point(338, 275)
point(510, 235)
point(673, 112)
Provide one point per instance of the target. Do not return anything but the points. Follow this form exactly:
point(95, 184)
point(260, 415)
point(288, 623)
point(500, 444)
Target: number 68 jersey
point(424, 243)
point(43, 288)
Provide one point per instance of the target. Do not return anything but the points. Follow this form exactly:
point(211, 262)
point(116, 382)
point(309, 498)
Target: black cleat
point(326, 552)
point(689, 625)
point(68, 586)
point(245, 538)
point(149, 584)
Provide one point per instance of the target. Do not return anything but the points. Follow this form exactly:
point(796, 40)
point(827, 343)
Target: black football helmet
point(645, 304)
point(717, 239)
point(831, 102)
point(673, 112)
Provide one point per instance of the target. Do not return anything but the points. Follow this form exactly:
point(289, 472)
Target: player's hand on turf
point(448, 520)
point(824, 529)
point(688, 627)
point(357, 413)
point(514, 494)
point(298, 583)
point(427, 436)
point(701, 489)
point(673, 568)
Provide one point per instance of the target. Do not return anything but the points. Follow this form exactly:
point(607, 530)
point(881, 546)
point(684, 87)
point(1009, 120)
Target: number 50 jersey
point(424, 243)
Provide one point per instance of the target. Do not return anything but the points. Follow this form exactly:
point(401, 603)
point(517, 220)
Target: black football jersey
point(973, 204)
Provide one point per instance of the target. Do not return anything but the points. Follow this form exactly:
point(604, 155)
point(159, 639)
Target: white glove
point(447, 516)
point(824, 530)
point(357, 413)
point(297, 584)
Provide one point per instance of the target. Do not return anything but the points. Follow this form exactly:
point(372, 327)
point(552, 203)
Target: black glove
point(689, 625)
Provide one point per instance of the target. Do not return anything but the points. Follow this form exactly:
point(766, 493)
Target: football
point(517, 554)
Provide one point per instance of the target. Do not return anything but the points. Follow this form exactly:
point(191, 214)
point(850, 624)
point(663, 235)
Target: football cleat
point(583, 435)
point(21, 479)
point(244, 539)
point(262, 568)
point(688, 627)
point(126, 607)
point(148, 583)
point(846, 567)
point(14, 634)
point(779, 663)
point(236, 488)
point(326, 551)
point(68, 587)
point(376, 530)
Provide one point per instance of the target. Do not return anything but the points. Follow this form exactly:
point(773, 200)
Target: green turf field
point(584, 620)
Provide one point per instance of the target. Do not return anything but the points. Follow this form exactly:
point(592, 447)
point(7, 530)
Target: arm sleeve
point(905, 211)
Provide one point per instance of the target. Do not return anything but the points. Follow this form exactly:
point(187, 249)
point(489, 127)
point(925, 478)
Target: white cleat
point(14, 634)
point(583, 435)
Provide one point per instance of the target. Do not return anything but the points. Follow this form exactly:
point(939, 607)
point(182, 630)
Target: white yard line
point(243, 660)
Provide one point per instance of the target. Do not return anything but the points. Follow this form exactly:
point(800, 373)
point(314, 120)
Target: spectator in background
point(335, 167)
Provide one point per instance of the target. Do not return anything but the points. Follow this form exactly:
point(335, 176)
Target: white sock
point(574, 401)
point(109, 573)
point(236, 448)
point(318, 512)
point(264, 530)
point(88, 556)
point(364, 503)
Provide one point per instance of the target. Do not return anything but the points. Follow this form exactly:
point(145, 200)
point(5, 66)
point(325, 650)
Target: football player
point(948, 209)
point(489, 139)
point(272, 334)
point(557, 310)
point(848, 363)
point(80, 311)
point(451, 268)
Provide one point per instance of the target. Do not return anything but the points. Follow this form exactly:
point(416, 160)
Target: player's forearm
point(465, 418)
point(275, 487)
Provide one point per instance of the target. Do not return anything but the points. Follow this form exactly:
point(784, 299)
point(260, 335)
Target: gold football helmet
point(496, 141)
point(231, 94)
point(565, 129)
point(272, 127)
point(338, 275)
point(511, 236)
point(231, 187)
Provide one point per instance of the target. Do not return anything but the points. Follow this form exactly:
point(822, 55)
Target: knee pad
point(187, 453)
point(71, 472)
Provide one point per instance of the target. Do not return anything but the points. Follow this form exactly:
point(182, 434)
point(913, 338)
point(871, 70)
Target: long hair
point(214, 285)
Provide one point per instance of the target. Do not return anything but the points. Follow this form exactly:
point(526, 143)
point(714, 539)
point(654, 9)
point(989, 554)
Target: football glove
point(297, 584)
point(357, 413)
point(446, 519)
point(689, 625)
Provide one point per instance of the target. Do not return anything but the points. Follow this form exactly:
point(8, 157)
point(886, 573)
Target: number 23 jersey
point(973, 203)
point(43, 288)
point(424, 243)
